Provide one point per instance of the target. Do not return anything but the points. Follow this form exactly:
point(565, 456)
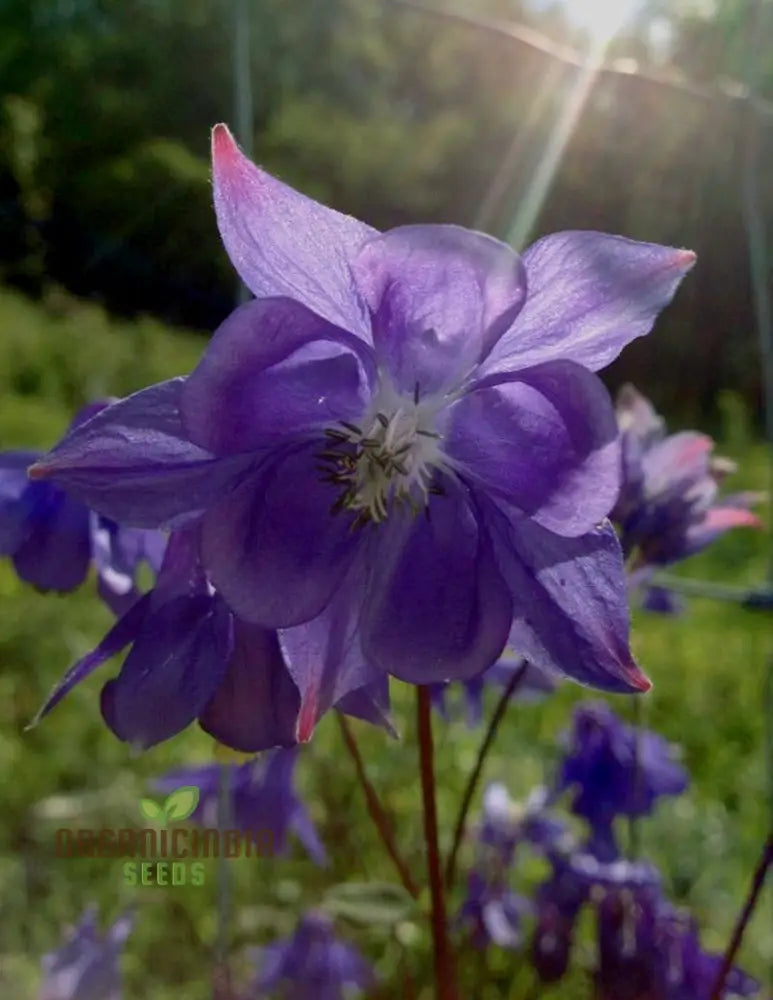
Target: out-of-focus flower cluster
point(645, 948)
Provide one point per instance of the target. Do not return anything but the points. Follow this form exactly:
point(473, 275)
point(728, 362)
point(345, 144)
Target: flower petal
point(56, 550)
point(324, 655)
point(120, 635)
point(544, 441)
point(283, 243)
point(256, 705)
point(570, 607)
point(273, 548)
point(133, 462)
point(371, 704)
point(14, 504)
point(174, 667)
point(589, 295)
point(440, 297)
point(273, 369)
point(437, 607)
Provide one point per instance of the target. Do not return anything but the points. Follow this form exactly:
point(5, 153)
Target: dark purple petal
point(324, 655)
point(440, 297)
point(370, 703)
point(283, 243)
point(133, 462)
point(273, 548)
point(120, 635)
point(589, 294)
point(14, 504)
point(544, 441)
point(56, 550)
point(437, 607)
point(176, 663)
point(273, 370)
point(570, 607)
point(256, 705)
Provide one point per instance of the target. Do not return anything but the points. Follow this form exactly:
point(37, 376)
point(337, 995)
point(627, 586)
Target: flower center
point(388, 462)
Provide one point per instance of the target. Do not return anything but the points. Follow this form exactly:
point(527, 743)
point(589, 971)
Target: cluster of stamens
point(388, 465)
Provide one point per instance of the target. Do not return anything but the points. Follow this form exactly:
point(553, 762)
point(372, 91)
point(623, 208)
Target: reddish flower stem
point(376, 811)
point(755, 889)
point(472, 781)
point(444, 973)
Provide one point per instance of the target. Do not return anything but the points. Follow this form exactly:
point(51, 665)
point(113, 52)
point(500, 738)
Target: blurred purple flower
point(53, 538)
point(312, 965)
point(192, 658)
point(492, 913)
point(505, 823)
point(615, 770)
point(668, 507)
point(86, 966)
point(534, 684)
point(261, 797)
point(425, 370)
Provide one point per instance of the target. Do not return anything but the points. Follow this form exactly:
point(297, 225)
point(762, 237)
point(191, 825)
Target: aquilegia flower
point(52, 538)
point(615, 770)
point(669, 506)
point(400, 445)
point(312, 965)
point(86, 966)
point(192, 658)
point(262, 798)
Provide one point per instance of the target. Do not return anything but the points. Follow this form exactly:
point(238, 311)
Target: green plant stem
point(445, 985)
point(472, 781)
point(755, 890)
point(375, 809)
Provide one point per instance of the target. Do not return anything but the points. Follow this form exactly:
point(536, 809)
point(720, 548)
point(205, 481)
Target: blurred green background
point(108, 248)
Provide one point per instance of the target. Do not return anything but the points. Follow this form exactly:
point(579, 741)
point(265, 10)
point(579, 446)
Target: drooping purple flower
point(492, 913)
point(86, 966)
point(312, 965)
point(192, 658)
point(669, 506)
point(52, 538)
point(615, 770)
point(262, 797)
point(533, 684)
point(424, 371)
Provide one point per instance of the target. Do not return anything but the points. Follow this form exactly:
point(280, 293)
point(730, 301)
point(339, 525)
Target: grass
point(709, 671)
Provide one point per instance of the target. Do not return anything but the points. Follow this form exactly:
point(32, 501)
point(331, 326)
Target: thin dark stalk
point(755, 889)
point(472, 781)
point(221, 980)
point(444, 973)
point(376, 810)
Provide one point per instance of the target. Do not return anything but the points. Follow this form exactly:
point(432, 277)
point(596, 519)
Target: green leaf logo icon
point(181, 803)
point(150, 810)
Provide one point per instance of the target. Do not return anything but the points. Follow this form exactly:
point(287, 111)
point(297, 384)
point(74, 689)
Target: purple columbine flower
point(401, 439)
point(669, 507)
point(192, 658)
point(262, 797)
point(492, 913)
point(615, 770)
point(86, 966)
point(312, 965)
point(532, 686)
point(52, 538)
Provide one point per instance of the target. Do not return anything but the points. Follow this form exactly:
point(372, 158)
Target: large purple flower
point(192, 658)
point(400, 444)
point(52, 538)
point(261, 797)
point(86, 966)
